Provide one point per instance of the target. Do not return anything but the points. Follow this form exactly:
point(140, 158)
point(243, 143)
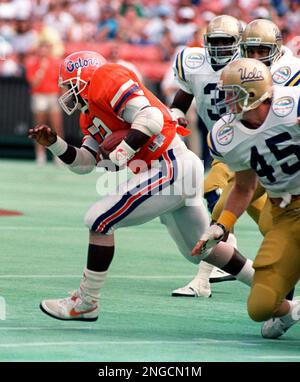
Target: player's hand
point(103, 154)
point(43, 134)
point(104, 161)
point(209, 239)
point(182, 122)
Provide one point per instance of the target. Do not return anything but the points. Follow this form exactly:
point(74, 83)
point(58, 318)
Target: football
point(112, 141)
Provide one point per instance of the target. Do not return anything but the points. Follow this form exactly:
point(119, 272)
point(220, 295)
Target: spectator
point(7, 9)
point(88, 8)
point(157, 26)
point(25, 38)
point(132, 27)
point(42, 75)
point(47, 33)
point(131, 4)
point(108, 26)
point(23, 9)
point(8, 63)
point(293, 16)
point(184, 28)
point(40, 8)
point(60, 19)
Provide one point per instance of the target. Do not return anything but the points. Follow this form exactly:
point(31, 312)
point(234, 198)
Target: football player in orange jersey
point(111, 98)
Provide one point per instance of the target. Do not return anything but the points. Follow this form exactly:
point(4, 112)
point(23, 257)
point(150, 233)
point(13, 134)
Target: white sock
point(204, 272)
point(92, 282)
point(290, 317)
point(246, 273)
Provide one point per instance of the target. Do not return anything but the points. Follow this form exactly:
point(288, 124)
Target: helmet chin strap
point(255, 104)
point(83, 105)
point(222, 60)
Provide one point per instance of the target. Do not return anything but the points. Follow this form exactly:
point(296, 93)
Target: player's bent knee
point(91, 220)
point(262, 303)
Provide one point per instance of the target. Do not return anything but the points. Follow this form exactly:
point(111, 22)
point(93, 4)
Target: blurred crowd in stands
point(142, 34)
point(163, 24)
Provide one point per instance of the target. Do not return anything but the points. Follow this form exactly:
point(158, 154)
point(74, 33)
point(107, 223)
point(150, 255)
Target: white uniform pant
point(171, 189)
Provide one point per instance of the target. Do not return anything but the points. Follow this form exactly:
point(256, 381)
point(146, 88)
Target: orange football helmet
point(75, 73)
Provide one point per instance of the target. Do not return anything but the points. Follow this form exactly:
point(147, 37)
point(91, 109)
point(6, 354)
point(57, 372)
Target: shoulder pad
point(285, 101)
point(188, 61)
point(220, 137)
point(286, 71)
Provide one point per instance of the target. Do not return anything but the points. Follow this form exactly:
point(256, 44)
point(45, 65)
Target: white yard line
point(134, 277)
point(278, 357)
point(23, 228)
point(36, 328)
point(64, 228)
point(205, 341)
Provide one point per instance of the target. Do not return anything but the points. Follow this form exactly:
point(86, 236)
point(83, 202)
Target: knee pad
point(262, 302)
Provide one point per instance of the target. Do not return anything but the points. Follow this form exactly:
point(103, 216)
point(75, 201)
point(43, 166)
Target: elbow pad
point(84, 162)
point(149, 121)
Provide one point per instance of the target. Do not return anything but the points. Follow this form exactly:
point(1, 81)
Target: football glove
point(209, 239)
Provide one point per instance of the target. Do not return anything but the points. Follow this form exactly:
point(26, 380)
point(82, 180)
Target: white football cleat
point(193, 290)
point(275, 327)
point(78, 306)
point(218, 276)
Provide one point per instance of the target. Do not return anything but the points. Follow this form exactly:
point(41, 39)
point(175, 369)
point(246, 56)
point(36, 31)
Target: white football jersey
point(196, 76)
point(272, 150)
point(286, 70)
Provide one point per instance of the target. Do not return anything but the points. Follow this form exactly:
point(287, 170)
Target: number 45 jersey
point(196, 76)
point(272, 150)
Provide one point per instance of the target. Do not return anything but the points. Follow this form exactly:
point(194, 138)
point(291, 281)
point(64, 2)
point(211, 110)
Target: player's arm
point(184, 96)
point(79, 160)
point(182, 101)
point(145, 120)
point(239, 198)
point(180, 105)
point(236, 204)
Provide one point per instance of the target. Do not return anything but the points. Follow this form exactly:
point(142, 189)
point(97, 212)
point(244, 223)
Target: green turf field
point(42, 256)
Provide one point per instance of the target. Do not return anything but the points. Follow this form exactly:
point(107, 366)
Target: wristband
point(59, 147)
point(122, 154)
point(227, 219)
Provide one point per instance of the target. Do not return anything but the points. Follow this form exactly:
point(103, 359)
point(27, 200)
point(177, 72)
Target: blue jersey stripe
point(124, 98)
point(211, 145)
point(292, 79)
point(181, 63)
